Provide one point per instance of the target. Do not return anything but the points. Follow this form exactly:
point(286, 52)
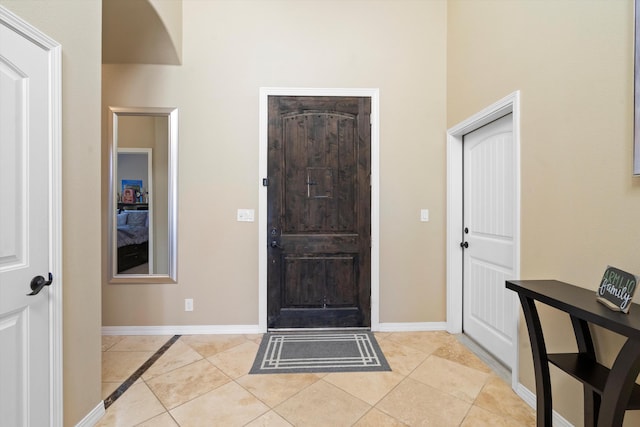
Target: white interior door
point(26, 202)
point(489, 230)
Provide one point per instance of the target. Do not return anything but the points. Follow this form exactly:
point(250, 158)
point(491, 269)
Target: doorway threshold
point(318, 329)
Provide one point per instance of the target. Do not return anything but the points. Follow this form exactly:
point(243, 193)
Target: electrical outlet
point(188, 304)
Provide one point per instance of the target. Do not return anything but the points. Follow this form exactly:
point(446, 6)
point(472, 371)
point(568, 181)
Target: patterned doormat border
point(305, 352)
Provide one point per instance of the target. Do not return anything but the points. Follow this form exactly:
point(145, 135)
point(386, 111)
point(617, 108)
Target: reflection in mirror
point(143, 195)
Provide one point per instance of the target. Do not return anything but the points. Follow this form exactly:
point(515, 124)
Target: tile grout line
point(138, 373)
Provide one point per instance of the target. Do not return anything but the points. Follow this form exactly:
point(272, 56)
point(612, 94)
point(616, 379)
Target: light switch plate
point(424, 215)
point(246, 215)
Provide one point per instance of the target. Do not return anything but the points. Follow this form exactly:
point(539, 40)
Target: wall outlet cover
point(246, 215)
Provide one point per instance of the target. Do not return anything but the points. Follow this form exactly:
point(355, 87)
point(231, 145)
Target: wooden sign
point(616, 289)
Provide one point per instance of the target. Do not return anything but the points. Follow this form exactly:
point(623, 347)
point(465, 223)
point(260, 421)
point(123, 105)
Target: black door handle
point(464, 245)
point(38, 282)
point(274, 244)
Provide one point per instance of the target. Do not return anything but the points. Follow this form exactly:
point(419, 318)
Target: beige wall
point(231, 49)
point(572, 62)
point(76, 25)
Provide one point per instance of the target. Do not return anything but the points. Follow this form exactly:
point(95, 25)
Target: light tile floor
point(202, 380)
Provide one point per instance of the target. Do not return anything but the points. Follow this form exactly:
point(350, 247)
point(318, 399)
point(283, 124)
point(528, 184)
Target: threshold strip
point(138, 373)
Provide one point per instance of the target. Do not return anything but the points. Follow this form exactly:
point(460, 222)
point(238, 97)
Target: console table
point(608, 393)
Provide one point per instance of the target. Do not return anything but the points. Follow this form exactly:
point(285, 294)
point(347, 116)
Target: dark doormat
point(305, 352)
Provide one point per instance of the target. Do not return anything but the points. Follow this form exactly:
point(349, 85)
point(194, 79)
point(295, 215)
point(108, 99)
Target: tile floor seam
point(418, 365)
point(174, 369)
point(494, 410)
point(390, 416)
point(282, 416)
point(292, 396)
point(466, 414)
point(310, 385)
point(168, 410)
point(502, 415)
point(259, 416)
point(151, 417)
point(251, 393)
point(137, 374)
point(364, 416)
point(486, 381)
point(349, 393)
point(156, 396)
point(389, 392)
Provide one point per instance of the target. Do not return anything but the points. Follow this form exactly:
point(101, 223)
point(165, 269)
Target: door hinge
point(265, 182)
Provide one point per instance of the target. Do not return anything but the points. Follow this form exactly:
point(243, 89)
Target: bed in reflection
point(133, 239)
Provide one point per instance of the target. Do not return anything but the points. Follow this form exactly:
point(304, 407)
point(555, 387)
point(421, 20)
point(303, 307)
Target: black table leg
point(620, 382)
point(585, 346)
point(544, 406)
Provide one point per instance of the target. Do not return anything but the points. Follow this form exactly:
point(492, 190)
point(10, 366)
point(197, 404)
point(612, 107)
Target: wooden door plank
point(319, 212)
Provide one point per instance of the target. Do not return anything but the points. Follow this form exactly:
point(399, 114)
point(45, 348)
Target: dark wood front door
point(319, 212)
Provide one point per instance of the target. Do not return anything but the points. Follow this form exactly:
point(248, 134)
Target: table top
point(581, 303)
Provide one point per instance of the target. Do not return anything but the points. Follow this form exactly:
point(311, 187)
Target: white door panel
point(489, 221)
point(12, 168)
point(494, 251)
point(25, 221)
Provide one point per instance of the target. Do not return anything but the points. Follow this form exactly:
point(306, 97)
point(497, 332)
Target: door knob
point(274, 244)
point(39, 282)
point(464, 245)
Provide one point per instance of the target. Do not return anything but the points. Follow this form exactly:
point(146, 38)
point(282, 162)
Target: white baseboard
point(411, 327)
point(530, 398)
point(250, 329)
point(92, 418)
point(182, 330)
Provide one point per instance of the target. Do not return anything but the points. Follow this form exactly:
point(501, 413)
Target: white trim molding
point(530, 399)
point(411, 327)
point(54, 52)
point(92, 418)
point(509, 104)
point(182, 330)
point(251, 329)
point(372, 93)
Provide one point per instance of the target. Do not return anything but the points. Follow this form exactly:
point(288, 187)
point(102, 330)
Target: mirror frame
point(172, 117)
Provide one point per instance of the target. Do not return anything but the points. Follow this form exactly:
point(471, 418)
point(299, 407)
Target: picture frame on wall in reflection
point(636, 95)
point(131, 190)
point(128, 195)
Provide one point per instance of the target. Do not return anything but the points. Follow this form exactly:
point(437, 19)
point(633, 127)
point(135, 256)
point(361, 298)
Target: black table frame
point(608, 393)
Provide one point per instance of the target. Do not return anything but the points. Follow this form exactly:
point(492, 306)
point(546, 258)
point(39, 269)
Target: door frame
point(509, 104)
point(54, 204)
point(374, 94)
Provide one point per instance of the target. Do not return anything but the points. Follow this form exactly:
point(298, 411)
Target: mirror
point(143, 195)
